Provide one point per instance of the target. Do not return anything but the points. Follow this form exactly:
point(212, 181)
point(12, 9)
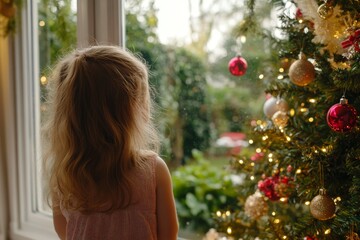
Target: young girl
point(105, 179)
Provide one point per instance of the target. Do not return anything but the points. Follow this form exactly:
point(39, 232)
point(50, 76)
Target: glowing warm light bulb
point(311, 119)
point(277, 221)
point(281, 70)
point(298, 171)
point(43, 80)
point(327, 231)
point(307, 203)
point(227, 213)
point(252, 164)
point(273, 213)
point(252, 178)
point(312, 100)
point(251, 141)
point(229, 230)
point(292, 112)
point(261, 76)
point(258, 150)
point(218, 213)
point(41, 23)
point(241, 161)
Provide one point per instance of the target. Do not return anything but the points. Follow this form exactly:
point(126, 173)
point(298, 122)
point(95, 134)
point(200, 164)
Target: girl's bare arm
point(167, 223)
point(59, 221)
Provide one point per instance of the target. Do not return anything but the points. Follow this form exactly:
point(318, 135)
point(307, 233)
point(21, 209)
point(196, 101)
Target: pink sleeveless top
point(135, 222)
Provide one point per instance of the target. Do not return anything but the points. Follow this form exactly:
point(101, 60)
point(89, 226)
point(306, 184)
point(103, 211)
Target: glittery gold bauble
point(256, 206)
point(280, 119)
point(322, 207)
point(353, 236)
point(302, 72)
point(325, 10)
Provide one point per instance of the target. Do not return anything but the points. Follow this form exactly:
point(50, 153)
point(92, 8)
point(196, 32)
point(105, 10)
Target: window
point(48, 28)
point(56, 35)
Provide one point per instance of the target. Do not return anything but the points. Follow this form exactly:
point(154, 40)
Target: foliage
point(200, 190)
point(57, 33)
point(231, 109)
point(178, 79)
point(190, 83)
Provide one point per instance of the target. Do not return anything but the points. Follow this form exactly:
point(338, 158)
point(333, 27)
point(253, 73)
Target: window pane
point(57, 35)
point(204, 110)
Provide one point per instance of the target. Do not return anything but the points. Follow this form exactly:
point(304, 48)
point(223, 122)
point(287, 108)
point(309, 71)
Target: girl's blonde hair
point(97, 125)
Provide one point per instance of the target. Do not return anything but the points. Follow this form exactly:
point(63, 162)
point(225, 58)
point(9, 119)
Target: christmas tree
point(303, 180)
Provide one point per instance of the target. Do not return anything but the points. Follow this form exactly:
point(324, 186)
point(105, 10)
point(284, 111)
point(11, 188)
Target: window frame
point(97, 23)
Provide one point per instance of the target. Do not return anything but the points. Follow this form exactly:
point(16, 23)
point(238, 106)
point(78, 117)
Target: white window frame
point(98, 22)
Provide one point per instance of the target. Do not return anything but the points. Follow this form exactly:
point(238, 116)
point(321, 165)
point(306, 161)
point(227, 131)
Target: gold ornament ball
point(256, 206)
point(322, 207)
point(280, 119)
point(302, 72)
point(325, 10)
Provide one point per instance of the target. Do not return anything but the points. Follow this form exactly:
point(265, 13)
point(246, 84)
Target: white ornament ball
point(273, 104)
point(256, 206)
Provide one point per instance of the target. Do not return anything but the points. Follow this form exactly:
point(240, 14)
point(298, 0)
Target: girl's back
point(136, 221)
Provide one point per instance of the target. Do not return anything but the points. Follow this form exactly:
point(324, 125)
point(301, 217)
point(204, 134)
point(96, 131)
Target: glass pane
point(57, 35)
point(204, 110)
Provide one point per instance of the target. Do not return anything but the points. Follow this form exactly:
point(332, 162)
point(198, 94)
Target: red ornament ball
point(238, 66)
point(310, 238)
point(341, 117)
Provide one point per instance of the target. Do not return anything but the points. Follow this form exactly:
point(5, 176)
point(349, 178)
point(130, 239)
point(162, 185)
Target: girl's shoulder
point(147, 154)
point(155, 161)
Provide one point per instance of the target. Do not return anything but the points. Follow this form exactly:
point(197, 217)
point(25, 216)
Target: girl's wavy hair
point(97, 124)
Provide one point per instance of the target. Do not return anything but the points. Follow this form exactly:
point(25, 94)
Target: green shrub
point(201, 189)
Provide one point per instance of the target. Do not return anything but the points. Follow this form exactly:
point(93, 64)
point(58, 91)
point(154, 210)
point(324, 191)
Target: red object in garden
point(233, 140)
